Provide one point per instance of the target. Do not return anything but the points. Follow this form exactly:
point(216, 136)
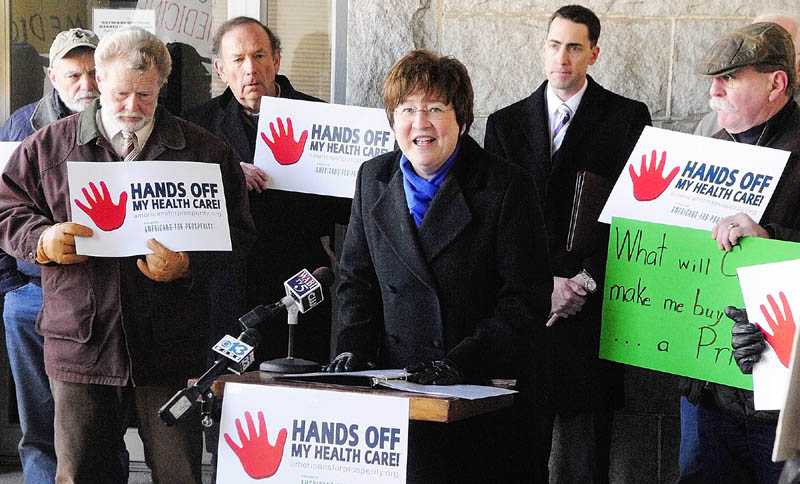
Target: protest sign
point(317, 148)
point(692, 181)
point(770, 292)
point(305, 435)
point(108, 20)
point(180, 204)
point(666, 289)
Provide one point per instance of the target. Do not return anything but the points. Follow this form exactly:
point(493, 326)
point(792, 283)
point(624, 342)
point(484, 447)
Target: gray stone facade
point(648, 50)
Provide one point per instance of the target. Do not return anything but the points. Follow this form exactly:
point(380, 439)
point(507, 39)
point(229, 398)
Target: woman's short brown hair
point(442, 76)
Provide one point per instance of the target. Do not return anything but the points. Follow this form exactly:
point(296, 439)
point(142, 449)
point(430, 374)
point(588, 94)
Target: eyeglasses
point(434, 113)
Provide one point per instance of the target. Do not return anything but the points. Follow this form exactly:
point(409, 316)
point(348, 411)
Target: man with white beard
point(71, 73)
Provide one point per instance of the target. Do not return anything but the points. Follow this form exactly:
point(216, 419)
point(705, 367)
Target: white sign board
point(108, 20)
point(297, 435)
point(692, 181)
point(6, 148)
point(772, 297)
point(317, 148)
point(787, 445)
point(185, 21)
point(180, 204)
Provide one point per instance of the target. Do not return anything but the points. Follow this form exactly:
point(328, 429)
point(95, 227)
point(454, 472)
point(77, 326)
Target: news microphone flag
point(237, 351)
point(305, 290)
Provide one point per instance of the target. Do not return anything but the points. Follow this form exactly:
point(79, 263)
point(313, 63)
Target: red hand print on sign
point(650, 183)
point(102, 210)
point(782, 328)
point(259, 459)
point(283, 146)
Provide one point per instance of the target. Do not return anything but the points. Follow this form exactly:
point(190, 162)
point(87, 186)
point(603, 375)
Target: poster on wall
point(107, 20)
point(37, 22)
point(187, 21)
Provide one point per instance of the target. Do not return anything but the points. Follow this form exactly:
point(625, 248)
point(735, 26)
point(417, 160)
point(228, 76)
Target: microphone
point(238, 355)
point(306, 288)
point(303, 292)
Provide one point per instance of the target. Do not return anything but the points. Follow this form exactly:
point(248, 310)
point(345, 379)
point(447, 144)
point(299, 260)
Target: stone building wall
point(648, 49)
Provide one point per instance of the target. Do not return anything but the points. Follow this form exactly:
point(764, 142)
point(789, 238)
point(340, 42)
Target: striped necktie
point(130, 146)
point(562, 121)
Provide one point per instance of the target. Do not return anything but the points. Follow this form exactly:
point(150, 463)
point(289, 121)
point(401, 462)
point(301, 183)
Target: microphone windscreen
point(324, 275)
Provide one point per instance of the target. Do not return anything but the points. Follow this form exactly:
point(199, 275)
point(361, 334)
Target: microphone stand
point(290, 364)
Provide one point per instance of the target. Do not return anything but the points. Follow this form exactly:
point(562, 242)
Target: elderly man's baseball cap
point(761, 43)
point(70, 39)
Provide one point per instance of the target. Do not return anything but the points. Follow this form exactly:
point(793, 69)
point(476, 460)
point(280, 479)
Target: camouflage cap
point(761, 43)
point(70, 39)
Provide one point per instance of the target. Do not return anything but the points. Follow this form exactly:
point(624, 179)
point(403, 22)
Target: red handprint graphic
point(284, 148)
point(649, 184)
point(782, 328)
point(259, 459)
point(102, 210)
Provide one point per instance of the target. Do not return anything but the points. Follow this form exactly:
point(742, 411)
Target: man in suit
point(247, 56)
point(571, 124)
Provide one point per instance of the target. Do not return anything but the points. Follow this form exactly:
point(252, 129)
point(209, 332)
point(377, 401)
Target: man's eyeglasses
point(434, 113)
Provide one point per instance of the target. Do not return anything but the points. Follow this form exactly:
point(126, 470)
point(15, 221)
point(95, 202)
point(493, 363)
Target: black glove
point(348, 362)
point(436, 372)
point(746, 338)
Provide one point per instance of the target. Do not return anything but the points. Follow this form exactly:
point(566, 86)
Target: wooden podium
point(429, 408)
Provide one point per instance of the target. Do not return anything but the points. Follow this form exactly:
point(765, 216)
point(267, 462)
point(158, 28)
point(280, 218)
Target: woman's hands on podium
point(348, 361)
point(436, 372)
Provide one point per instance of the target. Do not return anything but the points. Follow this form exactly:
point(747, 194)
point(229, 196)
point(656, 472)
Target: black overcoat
point(599, 139)
point(468, 284)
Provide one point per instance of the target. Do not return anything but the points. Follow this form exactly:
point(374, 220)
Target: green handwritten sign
point(665, 294)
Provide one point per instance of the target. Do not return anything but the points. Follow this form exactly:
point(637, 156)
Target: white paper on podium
point(701, 181)
point(307, 435)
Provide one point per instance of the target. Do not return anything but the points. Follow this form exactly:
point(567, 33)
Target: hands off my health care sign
point(772, 298)
point(313, 147)
point(692, 181)
point(180, 204)
point(300, 435)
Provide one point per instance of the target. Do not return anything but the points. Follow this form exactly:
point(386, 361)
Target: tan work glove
point(57, 243)
point(163, 265)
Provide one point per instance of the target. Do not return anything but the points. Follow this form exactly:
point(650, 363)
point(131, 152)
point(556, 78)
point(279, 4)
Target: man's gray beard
point(132, 127)
point(79, 105)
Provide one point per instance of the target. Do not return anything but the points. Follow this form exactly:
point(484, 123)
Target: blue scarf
point(419, 191)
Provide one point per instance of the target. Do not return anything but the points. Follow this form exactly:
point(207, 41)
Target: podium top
point(429, 408)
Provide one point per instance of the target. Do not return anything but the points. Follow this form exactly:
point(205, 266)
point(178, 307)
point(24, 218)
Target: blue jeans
point(690, 463)
point(34, 400)
point(736, 449)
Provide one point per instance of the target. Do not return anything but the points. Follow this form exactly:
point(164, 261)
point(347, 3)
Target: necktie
point(562, 120)
point(130, 146)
